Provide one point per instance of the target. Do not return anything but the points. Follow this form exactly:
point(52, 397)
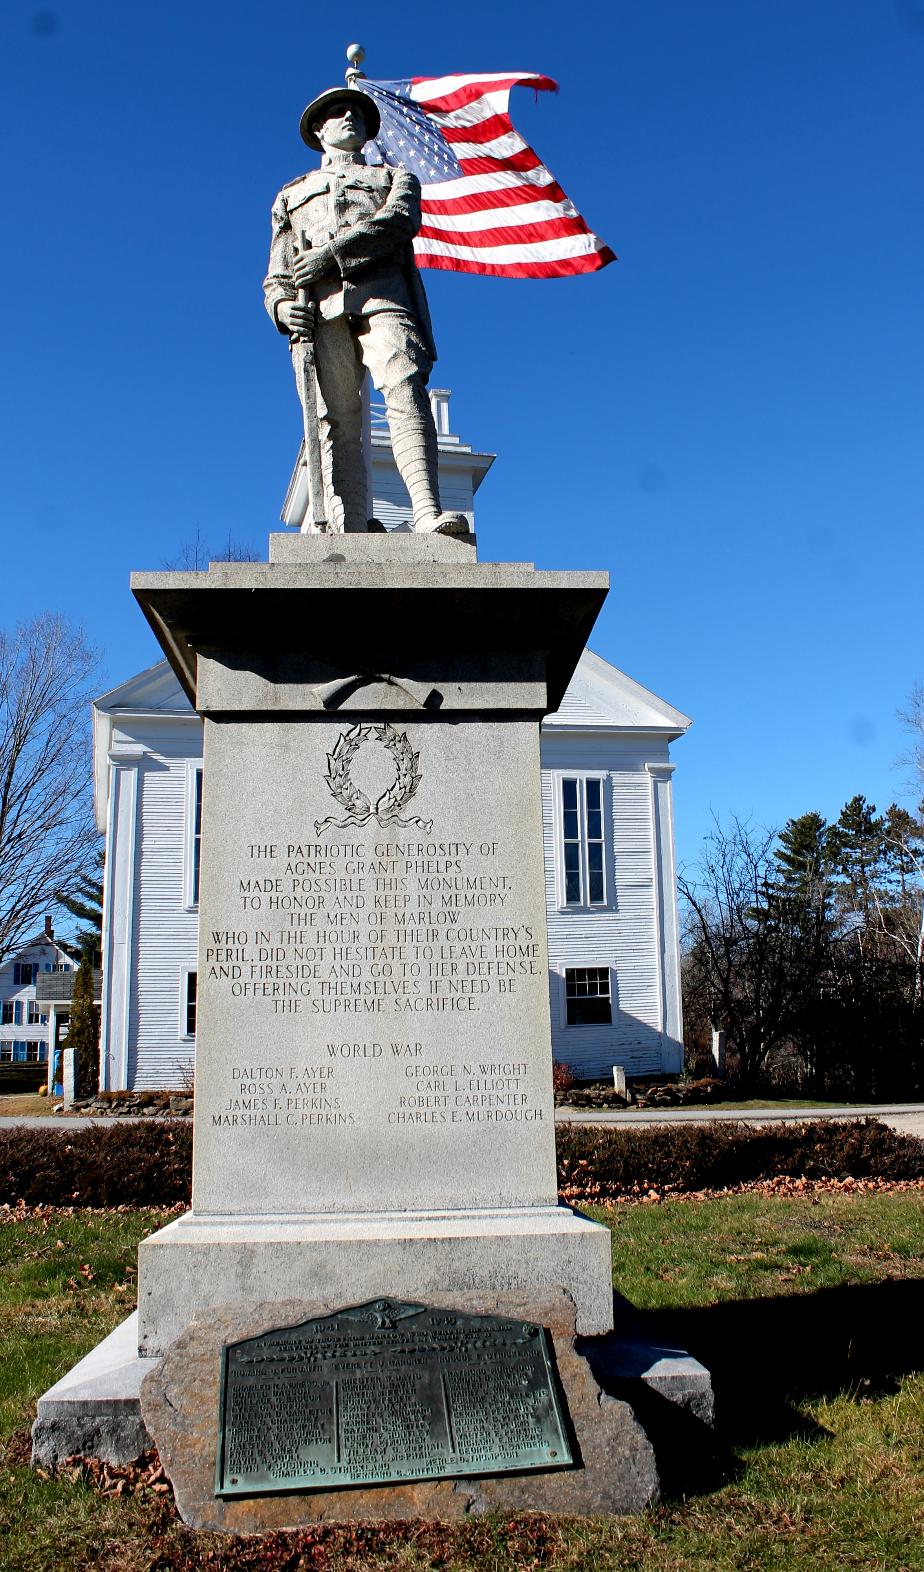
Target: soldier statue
point(342, 279)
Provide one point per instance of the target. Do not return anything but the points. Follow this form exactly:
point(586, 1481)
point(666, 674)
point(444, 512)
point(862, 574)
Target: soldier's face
point(344, 129)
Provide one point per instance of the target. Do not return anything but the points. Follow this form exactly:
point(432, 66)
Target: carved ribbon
point(332, 694)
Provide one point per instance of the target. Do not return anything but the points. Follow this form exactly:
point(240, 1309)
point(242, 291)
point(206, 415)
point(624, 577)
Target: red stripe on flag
point(484, 201)
point(484, 164)
point(511, 234)
point(478, 130)
point(472, 91)
point(564, 267)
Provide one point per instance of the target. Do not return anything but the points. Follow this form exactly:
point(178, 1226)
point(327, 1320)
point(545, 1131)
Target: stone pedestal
point(374, 1110)
point(374, 1115)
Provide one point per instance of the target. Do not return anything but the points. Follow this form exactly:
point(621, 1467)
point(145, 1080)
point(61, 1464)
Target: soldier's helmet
point(321, 106)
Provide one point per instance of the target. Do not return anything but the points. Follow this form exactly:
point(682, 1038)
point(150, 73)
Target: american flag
point(489, 203)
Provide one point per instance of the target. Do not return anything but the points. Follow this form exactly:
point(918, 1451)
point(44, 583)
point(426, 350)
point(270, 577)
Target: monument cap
point(339, 95)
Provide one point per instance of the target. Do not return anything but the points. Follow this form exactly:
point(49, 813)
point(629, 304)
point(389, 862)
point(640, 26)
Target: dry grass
point(25, 1105)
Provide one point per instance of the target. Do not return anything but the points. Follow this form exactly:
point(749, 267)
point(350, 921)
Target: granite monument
point(373, 1307)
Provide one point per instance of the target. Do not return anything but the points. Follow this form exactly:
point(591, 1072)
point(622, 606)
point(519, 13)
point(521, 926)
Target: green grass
point(65, 1281)
point(809, 1311)
point(750, 1246)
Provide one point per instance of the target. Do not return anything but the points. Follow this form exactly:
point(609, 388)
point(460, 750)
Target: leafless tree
point(195, 555)
point(913, 720)
point(750, 958)
point(47, 833)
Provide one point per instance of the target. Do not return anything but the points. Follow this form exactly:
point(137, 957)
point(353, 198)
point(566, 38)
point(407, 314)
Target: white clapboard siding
point(624, 935)
point(165, 931)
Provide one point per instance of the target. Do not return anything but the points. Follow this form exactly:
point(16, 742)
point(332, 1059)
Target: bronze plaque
point(384, 1392)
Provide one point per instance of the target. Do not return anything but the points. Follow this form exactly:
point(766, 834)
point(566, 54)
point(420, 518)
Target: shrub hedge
point(99, 1165)
point(717, 1155)
point(150, 1163)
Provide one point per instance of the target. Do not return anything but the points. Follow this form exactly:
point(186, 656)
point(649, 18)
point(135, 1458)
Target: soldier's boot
point(414, 445)
point(351, 500)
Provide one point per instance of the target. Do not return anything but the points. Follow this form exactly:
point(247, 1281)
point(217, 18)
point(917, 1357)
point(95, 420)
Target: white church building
point(614, 955)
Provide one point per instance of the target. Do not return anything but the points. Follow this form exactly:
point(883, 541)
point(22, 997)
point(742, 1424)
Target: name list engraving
point(384, 1392)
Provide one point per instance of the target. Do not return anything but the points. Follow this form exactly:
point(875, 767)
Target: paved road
point(907, 1117)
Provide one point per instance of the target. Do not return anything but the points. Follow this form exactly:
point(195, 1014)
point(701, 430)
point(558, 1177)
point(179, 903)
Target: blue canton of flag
point(407, 137)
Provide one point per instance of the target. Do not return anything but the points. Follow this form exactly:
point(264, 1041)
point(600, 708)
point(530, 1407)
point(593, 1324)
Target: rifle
point(307, 376)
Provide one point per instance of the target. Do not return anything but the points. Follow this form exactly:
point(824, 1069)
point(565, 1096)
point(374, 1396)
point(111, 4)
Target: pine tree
point(83, 1030)
point(858, 846)
point(803, 854)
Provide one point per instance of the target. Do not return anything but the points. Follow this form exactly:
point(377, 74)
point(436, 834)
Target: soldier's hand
point(311, 265)
point(298, 320)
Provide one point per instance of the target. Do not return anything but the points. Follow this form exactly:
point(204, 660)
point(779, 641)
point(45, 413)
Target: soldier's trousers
point(389, 345)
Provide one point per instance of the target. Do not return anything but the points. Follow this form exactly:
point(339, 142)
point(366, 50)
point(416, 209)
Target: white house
point(609, 850)
point(24, 1018)
point(611, 896)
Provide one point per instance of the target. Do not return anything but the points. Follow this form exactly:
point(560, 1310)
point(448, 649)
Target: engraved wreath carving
point(345, 791)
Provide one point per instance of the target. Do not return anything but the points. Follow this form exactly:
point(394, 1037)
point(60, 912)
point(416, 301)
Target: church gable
point(600, 695)
point(156, 689)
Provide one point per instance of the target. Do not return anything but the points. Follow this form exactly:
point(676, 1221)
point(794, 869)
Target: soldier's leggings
point(389, 344)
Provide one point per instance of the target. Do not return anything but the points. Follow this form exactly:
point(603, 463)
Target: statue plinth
point(374, 1109)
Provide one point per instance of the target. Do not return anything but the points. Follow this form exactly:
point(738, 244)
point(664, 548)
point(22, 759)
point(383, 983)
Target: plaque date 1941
point(382, 1392)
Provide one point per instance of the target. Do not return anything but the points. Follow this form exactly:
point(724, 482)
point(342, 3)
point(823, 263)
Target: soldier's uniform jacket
point(368, 215)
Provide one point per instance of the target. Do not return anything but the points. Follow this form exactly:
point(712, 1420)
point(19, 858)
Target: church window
point(193, 857)
point(587, 996)
point(188, 992)
point(583, 859)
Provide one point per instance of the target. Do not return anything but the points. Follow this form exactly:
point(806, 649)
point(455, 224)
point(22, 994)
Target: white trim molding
point(119, 919)
point(190, 895)
point(667, 920)
point(186, 971)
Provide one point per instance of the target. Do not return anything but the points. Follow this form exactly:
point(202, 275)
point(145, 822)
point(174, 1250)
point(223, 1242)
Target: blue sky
point(729, 419)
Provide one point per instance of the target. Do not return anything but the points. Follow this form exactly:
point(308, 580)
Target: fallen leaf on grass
point(130, 1479)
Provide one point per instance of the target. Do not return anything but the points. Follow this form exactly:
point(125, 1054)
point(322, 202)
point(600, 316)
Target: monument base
point(614, 1468)
point(96, 1411)
point(198, 1262)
